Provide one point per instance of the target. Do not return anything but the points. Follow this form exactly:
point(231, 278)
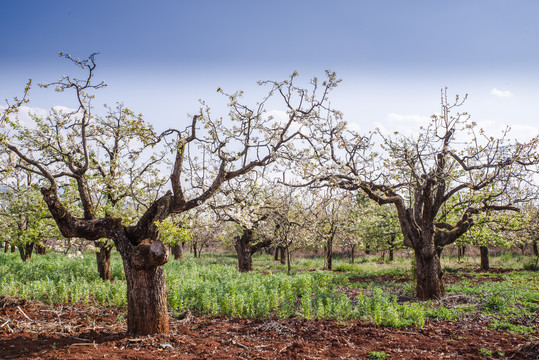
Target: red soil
point(33, 330)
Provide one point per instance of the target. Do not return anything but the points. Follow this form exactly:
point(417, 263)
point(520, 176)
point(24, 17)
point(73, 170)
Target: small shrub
point(531, 265)
point(485, 352)
point(516, 329)
point(442, 313)
point(495, 303)
point(450, 270)
point(378, 355)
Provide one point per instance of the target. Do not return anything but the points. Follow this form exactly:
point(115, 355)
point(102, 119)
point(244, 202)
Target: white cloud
point(354, 126)
point(501, 93)
point(523, 132)
point(408, 119)
point(404, 124)
point(25, 113)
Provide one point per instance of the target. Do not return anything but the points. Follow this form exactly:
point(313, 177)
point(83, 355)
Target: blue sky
point(394, 56)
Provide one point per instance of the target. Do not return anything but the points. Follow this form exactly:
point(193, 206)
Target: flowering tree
point(420, 175)
point(247, 204)
point(24, 217)
point(378, 226)
point(531, 226)
point(332, 219)
point(206, 154)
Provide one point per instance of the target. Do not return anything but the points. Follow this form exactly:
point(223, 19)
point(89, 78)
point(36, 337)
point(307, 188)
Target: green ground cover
point(367, 290)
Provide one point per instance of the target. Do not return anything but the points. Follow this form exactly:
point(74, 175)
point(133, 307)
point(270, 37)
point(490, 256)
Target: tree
point(206, 231)
point(498, 228)
point(530, 226)
point(378, 226)
point(247, 204)
point(24, 217)
point(332, 219)
point(421, 175)
point(206, 154)
point(13, 108)
point(290, 221)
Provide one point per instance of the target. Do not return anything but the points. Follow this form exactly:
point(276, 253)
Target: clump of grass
point(485, 352)
point(532, 265)
point(378, 355)
point(495, 303)
point(383, 309)
point(442, 313)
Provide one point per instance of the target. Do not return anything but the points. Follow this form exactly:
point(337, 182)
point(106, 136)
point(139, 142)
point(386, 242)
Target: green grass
point(212, 286)
point(377, 355)
point(55, 278)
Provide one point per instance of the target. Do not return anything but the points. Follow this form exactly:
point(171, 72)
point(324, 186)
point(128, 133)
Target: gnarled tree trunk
point(429, 283)
point(283, 254)
point(146, 288)
point(26, 251)
point(245, 249)
point(177, 251)
point(243, 246)
point(41, 250)
point(428, 276)
point(103, 256)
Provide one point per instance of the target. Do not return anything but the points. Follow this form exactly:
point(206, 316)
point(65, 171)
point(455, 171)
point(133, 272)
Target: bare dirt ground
point(34, 330)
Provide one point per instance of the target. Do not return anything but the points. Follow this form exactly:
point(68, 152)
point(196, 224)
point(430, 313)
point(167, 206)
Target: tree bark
point(429, 283)
point(439, 250)
point(6, 247)
point(12, 248)
point(41, 250)
point(245, 261)
point(352, 253)
point(177, 251)
point(283, 251)
point(535, 250)
point(484, 258)
point(329, 254)
point(391, 247)
point(146, 289)
point(26, 251)
point(276, 254)
point(103, 256)
point(289, 265)
point(243, 247)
